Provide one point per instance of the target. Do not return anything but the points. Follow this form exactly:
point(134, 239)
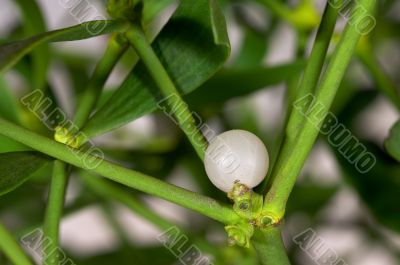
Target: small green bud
point(266, 220)
point(74, 140)
point(247, 203)
point(239, 234)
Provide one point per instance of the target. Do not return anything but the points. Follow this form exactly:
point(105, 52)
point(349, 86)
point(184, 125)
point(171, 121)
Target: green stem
point(111, 191)
point(289, 167)
point(12, 249)
point(309, 81)
point(269, 246)
point(55, 205)
point(116, 47)
point(130, 178)
point(60, 176)
point(381, 79)
point(314, 67)
point(184, 117)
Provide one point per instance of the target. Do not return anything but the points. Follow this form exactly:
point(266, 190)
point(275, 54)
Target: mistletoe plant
point(175, 69)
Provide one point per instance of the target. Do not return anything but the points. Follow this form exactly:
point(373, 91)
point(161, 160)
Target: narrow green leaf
point(8, 103)
point(192, 46)
point(9, 111)
point(34, 23)
point(392, 143)
point(17, 167)
point(11, 53)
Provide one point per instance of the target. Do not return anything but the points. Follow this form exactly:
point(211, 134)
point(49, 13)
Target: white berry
point(236, 156)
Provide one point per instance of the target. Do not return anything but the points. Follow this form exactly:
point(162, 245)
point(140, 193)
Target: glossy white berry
point(236, 156)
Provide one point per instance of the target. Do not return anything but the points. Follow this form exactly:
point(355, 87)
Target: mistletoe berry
point(236, 156)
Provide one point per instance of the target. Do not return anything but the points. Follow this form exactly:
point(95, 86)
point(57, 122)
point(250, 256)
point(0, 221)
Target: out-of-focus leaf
point(379, 187)
point(392, 144)
point(34, 24)
point(252, 51)
point(8, 103)
point(17, 167)
point(309, 198)
point(11, 53)
point(192, 47)
point(254, 43)
point(9, 111)
point(230, 83)
point(8, 145)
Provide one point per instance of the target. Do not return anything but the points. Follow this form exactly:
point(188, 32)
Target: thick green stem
point(289, 166)
point(116, 47)
point(269, 246)
point(314, 67)
point(181, 110)
point(12, 249)
point(55, 205)
point(191, 200)
point(309, 81)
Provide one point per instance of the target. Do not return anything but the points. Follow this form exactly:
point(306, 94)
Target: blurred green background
point(357, 215)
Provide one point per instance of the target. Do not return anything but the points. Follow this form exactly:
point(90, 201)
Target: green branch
point(137, 39)
point(308, 83)
point(55, 201)
point(289, 166)
point(191, 200)
point(269, 246)
point(55, 205)
point(115, 49)
point(11, 249)
point(111, 191)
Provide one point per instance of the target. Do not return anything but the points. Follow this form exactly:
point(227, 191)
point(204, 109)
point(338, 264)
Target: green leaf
point(9, 110)
point(34, 24)
point(8, 103)
point(392, 143)
point(379, 187)
point(229, 83)
point(17, 167)
point(11, 53)
point(192, 46)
